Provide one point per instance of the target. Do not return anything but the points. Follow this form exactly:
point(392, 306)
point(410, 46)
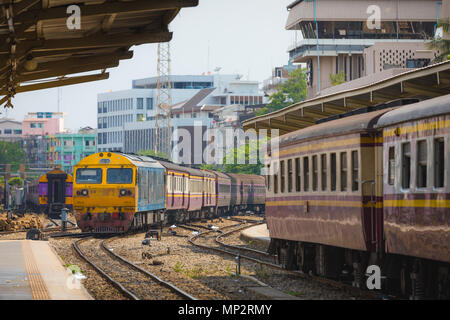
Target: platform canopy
point(42, 39)
point(424, 83)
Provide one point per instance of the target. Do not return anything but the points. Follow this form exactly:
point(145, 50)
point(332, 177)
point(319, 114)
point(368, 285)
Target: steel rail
point(149, 274)
point(322, 280)
point(115, 283)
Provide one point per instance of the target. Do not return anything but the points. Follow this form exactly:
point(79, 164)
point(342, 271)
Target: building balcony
point(332, 47)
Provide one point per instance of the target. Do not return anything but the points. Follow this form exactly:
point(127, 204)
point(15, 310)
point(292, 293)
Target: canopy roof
point(424, 83)
point(36, 42)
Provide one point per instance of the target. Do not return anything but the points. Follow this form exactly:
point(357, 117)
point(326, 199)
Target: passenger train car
point(116, 192)
point(367, 189)
point(51, 192)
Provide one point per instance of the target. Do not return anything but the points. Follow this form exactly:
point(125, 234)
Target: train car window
point(305, 174)
point(282, 173)
point(406, 165)
point(439, 163)
point(422, 164)
point(391, 166)
point(268, 175)
point(275, 183)
point(91, 175)
point(343, 171)
point(119, 176)
point(333, 171)
point(324, 171)
point(315, 173)
point(290, 175)
point(355, 168)
point(297, 175)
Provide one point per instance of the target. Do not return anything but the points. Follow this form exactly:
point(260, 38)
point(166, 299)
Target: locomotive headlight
point(84, 192)
point(125, 192)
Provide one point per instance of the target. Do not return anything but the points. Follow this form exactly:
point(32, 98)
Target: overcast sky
point(243, 36)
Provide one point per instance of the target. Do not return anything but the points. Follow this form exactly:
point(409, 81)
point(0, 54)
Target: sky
point(242, 36)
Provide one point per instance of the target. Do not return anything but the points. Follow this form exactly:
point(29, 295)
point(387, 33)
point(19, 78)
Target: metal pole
point(317, 45)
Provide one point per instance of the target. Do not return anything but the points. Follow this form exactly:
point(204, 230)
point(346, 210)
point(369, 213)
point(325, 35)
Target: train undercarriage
point(400, 276)
point(146, 220)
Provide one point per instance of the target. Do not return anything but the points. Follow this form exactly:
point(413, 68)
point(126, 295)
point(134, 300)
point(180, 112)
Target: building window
point(140, 103)
point(406, 165)
point(305, 174)
point(139, 117)
point(297, 175)
point(17, 131)
point(32, 125)
point(439, 163)
point(324, 171)
point(7, 131)
point(422, 164)
point(391, 166)
point(290, 174)
point(333, 171)
point(282, 175)
point(343, 171)
point(275, 183)
point(149, 104)
point(355, 169)
point(315, 173)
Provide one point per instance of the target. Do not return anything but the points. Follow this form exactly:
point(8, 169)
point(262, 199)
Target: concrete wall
point(383, 55)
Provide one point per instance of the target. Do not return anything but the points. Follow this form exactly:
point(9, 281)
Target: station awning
point(423, 83)
point(42, 39)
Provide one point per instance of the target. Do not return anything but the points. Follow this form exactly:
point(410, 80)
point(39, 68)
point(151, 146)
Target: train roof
point(119, 158)
point(352, 124)
point(423, 109)
point(247, 177)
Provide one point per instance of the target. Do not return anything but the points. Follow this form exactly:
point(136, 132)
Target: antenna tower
point(163, 130)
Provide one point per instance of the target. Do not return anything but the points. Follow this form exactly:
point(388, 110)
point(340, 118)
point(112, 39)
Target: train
point(369, 189)
point(51, 193)
point(116, 192)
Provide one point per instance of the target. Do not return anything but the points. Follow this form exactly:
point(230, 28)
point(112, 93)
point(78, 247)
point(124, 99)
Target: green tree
point(443, 45)
point(15, 181)
point(210, 167)
point(11, 153)
point(338, 78)
point(289, 92)
point(151, 153)
point(244, 152)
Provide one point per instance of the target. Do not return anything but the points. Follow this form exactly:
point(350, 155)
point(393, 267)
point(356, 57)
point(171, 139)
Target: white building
point(10, 130)
point(126, 119)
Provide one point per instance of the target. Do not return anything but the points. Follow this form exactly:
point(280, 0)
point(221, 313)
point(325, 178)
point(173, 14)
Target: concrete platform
point(31, 270)
point(258, 233)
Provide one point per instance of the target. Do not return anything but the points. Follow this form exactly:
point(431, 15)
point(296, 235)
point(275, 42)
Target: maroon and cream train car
point(223, 192)
point(177, 190)
point(209, 203)
point(416, 200)
point(323, 201)
point(247, 192)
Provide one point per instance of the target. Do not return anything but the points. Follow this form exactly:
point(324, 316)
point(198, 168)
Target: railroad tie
point(39, 290)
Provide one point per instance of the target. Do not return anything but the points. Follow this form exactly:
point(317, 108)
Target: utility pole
point(163, 100)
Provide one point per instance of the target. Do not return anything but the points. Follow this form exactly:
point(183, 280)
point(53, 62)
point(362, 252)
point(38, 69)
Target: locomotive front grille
point(106, 230)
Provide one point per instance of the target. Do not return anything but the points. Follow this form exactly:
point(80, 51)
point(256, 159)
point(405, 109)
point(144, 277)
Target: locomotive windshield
point(120, 175)
point(89, 176)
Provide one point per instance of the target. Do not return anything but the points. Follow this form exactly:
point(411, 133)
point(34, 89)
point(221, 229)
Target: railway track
point(52, 229)
point(134, 282)
point(261, 258)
